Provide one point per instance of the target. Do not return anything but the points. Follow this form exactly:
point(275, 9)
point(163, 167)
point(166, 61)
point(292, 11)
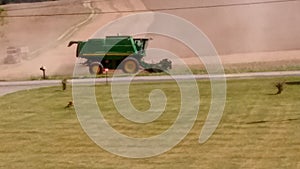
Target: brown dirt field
point(241, 29)
point(36, 34)
point(241, 34)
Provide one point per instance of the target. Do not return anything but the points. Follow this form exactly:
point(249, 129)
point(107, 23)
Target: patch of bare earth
point(35, 34)
point(243, 35)
point(43, 36)
point(253, 37)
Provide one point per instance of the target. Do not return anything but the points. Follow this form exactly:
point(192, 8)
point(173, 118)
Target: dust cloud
point(241, 34)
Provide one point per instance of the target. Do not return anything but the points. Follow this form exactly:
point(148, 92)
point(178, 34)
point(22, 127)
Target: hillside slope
point(242, 34)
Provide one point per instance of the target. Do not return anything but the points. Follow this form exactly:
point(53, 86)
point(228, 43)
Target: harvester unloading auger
point(124, 52)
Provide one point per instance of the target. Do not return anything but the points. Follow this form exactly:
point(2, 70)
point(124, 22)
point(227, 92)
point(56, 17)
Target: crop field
point(258, 128)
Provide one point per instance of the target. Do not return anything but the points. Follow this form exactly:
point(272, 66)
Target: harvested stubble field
point(258, 129)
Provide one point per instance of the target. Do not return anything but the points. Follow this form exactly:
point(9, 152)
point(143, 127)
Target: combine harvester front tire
point(95, 68)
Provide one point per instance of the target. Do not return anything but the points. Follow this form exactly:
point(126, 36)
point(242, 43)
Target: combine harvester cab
point(124, 52)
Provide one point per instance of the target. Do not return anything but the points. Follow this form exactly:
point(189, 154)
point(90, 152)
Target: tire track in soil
point(69, 32)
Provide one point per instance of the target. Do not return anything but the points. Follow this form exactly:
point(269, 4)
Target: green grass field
point(258, 129)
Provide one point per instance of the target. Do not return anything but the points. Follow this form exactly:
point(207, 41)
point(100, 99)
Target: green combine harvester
point(112, 52)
